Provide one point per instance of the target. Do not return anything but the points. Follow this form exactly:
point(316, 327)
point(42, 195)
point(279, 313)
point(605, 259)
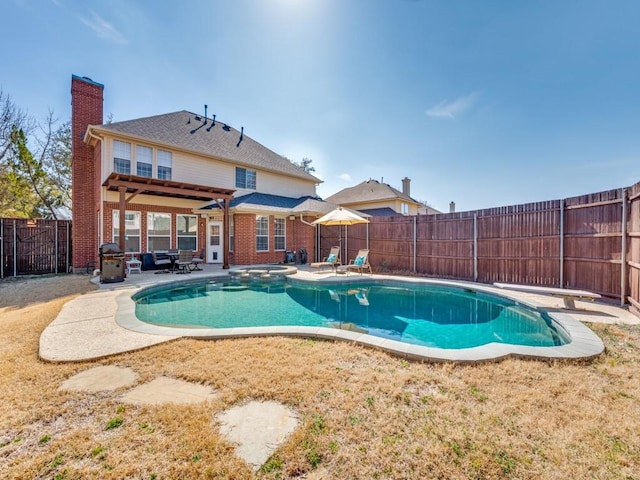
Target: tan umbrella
point(340, 216)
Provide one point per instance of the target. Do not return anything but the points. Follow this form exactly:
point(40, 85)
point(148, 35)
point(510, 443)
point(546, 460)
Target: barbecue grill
point(111, 263)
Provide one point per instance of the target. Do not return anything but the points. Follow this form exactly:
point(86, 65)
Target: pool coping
point(585, 343)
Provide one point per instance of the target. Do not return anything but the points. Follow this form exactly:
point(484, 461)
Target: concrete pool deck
point(103, 323)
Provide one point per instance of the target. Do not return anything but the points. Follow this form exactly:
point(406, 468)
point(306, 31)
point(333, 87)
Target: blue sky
point(486, 103)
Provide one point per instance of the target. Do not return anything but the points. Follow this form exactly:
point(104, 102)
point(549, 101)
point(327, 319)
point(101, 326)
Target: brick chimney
point(406, 186)
point(86, 109)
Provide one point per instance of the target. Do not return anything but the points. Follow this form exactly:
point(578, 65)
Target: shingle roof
point(368, 191)
point(276, 203)
point(381, 212)
point(182, 130)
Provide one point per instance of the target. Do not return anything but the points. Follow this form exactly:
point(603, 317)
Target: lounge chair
point(198, 260)
point(332, 260)
point(184, 261)
point(361, 262)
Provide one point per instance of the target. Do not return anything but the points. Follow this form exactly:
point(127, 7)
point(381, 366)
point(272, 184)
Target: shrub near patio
point(363, 413)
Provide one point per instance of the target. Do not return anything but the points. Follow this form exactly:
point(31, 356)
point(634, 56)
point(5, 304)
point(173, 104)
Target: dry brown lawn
point(364, 414)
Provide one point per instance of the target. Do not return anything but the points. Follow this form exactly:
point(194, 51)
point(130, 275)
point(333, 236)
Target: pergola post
point(225, 232)
point(121, 225)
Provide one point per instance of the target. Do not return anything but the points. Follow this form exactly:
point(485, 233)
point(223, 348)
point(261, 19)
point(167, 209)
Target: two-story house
point(378, 199)
point(183, 181)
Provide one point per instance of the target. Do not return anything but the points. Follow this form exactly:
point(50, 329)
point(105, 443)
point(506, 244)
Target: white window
point(165, 160)
point(279, 234)
point(131, 230)
point(122, 157)
point(405, 208)
point(144, 161)
point(187, 230)
point(231, 235)
point(158, 231)
point(245, 178)
point(262, 233)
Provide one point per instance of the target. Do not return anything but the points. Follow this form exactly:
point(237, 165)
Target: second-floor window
point(144, 161)
point(165, 161)
point(122, 157)
point(245, 178)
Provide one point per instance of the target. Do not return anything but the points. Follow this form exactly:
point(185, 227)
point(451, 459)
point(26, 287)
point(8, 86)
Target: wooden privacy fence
point(589, 242)
point(34, 247)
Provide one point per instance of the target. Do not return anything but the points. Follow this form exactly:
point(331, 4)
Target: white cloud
point(345, 176)
point(104, 29)
point(447, 109)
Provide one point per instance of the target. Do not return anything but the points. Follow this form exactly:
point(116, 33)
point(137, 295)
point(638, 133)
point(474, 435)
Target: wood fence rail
point(34, 247)
point(590, 242)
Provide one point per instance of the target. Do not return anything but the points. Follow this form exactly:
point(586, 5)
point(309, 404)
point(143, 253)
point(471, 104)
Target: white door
point(215, 246)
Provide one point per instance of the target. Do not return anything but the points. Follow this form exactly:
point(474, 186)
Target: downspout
point(302, 220)
point(100, 202)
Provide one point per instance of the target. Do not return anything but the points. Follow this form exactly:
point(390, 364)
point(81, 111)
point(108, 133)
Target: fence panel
point(593, 242)
point(35, 247)
point(633, 248)
point(520, 244)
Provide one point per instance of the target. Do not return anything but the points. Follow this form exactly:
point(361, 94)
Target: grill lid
point(110, 249)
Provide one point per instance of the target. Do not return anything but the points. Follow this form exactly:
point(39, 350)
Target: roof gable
point(189, 131)
point(368, 191)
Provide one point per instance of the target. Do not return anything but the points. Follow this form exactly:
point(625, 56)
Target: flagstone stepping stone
point(168, 390)
point(106, 377)
point(257, 429)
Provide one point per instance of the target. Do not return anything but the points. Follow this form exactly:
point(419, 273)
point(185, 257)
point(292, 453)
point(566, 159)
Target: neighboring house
point(183, 181)
point(378, 199)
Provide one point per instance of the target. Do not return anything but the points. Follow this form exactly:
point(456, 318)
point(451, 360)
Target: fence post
point(68, 248)
point(1, 248)
point(475, 247)
point(561, 255)
point(56, 254)
point(623, 255)
point(15, 249)
point(415, 243)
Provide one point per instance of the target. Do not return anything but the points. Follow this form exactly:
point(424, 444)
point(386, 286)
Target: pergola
point(129, 186)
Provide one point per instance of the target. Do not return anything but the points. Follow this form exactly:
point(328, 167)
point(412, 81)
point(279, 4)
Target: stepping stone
point(108, 377)
point(257, 429)
point(168, 390)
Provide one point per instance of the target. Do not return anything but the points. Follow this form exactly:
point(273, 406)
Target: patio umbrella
point(340, 216)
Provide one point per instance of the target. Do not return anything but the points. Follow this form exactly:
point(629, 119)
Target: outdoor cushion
point(359, 260)
point(331, 258)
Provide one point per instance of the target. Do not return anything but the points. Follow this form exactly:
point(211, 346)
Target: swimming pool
point(428, 315)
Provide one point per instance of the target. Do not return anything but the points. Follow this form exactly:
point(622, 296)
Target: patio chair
point(163, 262)
point(361, 262)
point(198, 259)
point(184, 262)
point(332, 260)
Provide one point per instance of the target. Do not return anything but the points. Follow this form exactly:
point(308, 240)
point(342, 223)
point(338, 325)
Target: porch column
point(225, 232)
point(121, 225)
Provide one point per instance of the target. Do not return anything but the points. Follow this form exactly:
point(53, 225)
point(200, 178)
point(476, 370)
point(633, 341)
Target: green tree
point(34, 193)
point(305, 164)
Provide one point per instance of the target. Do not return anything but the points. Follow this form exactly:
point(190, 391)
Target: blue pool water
point(428, 315)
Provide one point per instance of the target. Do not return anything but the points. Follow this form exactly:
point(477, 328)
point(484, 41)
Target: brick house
point(183, 181)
